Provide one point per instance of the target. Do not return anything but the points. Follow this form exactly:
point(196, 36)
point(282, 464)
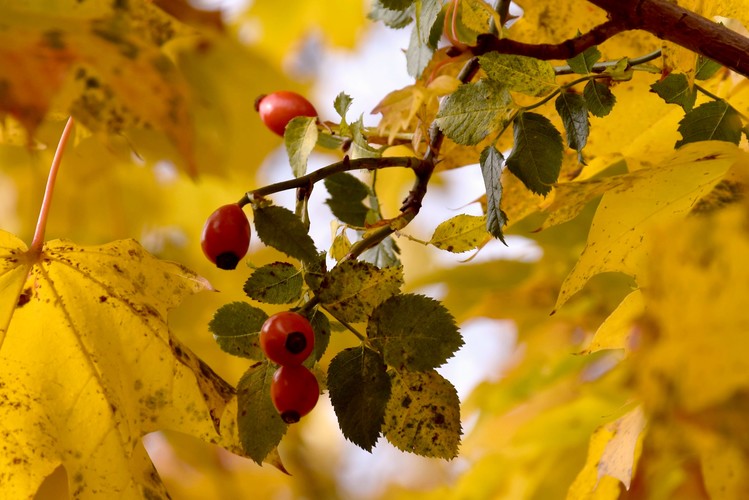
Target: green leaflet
point(599, 98)
point(536, 158)
point(276, 283)
point(359, 391)
point(236, 327)
point(346, 196)
point(279, 228)
point(574, 113)
point(260, 425)
point(491, 162)
point(414, 332)
point(675, 89)
point(714, 120)
point(300, 138)
point(474, 111)
point(582, 63)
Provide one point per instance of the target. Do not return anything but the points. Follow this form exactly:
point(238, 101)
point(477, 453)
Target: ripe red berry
point(226, 236)
point(279, 108)
point(294, 391)
point(287, 338)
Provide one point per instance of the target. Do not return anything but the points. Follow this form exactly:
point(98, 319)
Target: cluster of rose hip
point(286, 338)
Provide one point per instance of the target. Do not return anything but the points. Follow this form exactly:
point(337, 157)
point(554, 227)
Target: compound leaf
point(414, 332)
point(359, 388)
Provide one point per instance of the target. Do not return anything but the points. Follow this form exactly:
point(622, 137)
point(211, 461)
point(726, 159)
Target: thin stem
point(41, 225)
point(306, 181)
point(603, 66)
point(347, 325)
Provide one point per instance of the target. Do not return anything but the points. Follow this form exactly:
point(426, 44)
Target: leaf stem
point(345, 165)
point(603, 66)
point(347, 325)
point(41, 225)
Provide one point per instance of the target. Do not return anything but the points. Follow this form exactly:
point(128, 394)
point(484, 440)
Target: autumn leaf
point(88, 366)
point(618, 239)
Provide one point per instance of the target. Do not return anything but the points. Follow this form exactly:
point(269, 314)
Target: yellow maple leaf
point(88, 366)
point(618, 239)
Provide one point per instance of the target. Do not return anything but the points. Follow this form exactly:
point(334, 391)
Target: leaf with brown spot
point(88, 366)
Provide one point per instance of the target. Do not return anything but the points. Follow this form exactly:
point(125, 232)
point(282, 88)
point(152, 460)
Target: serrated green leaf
point(360, 148)
point(276, 283)
point(359, 388)
point(582, 63)
point(475, 110)
point(520, 73)
point(279, 228)
point(574, 113)
point(236, 326)
point(321, 327)
point(536, 158)
point(414, 332)
point(599, 98)
point(420, 50)
point(491, 161)
point(460, 233)
point(342, 104)
point(423, 414)
point(706, 68)
point(384, 254)
point(714, 120)
point(300, 138)
point(675, 89)
point(346, 195)
point(352, 289)
point(395, 19)
point(260, 425)
point(396, 4)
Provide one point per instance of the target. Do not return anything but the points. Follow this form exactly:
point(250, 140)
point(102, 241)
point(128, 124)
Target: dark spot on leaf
point(406, 402)
point(102, 298)
point(24, 298)
point(439, 419)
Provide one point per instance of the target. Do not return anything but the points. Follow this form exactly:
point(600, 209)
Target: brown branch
point(546, 51)
point(670, 22)
point(663, 19)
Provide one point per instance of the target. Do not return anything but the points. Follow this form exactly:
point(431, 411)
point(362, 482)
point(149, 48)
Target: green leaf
point(352, 289)
point(420, 50)
point(675, 89)
point(342, 104)
point(582, 63)
point(574, 113)
point(460, 233)
point(300, 138)
point(359, 388)
point(315, 270)
point(236, 326)
point(423, 414)
point(536, 158)
point(475, 110)
point(321, 327)
point(346, 195)
point(260, 425)
point(395, 19)
point(706, 68)
point(714, 120)
point(279, 228)
point(360, 148)
point(276, 283)
point(396, 4)
point(414, 332)
point(520, 73)
point(384, 254)
point(491, 161)
point(599, 98)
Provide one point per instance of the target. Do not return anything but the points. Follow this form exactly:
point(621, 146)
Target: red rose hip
point(294, 391)
point(226, 236)
point(277, 109)
point(287, 338)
